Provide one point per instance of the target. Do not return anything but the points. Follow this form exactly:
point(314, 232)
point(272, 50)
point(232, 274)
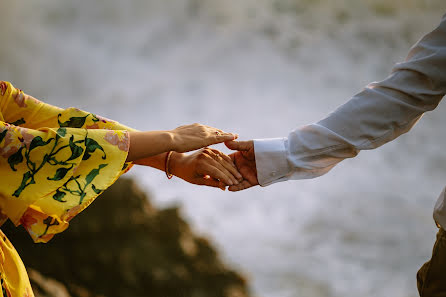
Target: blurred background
point(259, 68)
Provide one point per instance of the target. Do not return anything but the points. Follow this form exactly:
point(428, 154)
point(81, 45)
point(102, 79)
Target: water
point(259, 68)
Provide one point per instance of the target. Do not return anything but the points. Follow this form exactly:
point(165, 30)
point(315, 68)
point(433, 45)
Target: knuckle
point(207, 152)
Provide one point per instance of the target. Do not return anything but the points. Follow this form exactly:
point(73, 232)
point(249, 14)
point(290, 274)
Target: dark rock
point(46, 287)
point(122, 246)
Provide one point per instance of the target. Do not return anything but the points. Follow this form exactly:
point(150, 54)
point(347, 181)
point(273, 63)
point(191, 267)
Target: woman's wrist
point(175, 162)
point(169, 139)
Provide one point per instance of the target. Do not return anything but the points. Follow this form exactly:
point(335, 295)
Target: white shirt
point(380, 113)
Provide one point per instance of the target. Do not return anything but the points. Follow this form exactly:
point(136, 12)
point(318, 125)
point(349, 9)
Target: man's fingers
point(250, 175)
point(241, 186)
point(240, 145)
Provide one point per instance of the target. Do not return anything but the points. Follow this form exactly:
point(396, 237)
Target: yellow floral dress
point(53, 163)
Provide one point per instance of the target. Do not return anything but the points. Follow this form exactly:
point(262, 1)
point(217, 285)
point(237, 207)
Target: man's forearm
point(377, 115)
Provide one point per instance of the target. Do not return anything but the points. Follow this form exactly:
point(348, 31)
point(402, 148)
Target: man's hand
point(245, 161)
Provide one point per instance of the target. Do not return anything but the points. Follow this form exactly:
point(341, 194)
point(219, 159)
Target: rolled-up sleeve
point(380, 113)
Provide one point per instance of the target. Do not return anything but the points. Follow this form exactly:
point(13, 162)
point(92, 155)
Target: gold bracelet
point(166, 165)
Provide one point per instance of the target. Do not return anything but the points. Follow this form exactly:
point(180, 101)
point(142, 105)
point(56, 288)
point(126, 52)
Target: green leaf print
point(3, 135)
point(75, 182)
point(76, 151)
point(19, 122)
point(61, 132)
point(59, 196)
point(97, 191)
point(73, 122)
point(91, 146)
point(58, 156)
point(95, 118)
point(37, 141)
point(34, 166)
point(49, 221)
point(27, 180)
point(16, 159)
point(90, 176)
point(60, 173)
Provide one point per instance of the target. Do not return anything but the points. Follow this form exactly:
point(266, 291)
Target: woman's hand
point(192, 137)
point(207, 167)
point(182, 139)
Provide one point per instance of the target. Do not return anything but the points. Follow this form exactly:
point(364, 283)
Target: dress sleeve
point(54, 162)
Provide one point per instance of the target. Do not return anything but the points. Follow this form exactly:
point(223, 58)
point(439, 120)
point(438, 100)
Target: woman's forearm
point(158, 161)
point(182, 139)
point(148, 144)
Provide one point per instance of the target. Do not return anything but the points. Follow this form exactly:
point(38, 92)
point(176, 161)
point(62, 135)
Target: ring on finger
point(217, 155)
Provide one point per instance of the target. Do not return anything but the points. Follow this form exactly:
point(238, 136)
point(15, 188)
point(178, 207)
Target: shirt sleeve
point(377, 115)
point(54, 162)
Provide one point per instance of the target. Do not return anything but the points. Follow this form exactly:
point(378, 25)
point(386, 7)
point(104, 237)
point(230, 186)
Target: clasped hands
point(213, 168)
point(205, 166)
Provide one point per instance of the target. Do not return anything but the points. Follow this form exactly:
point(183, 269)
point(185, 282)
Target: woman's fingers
point(215, 170)
point(220, 135)
point(218, 162)
point(227, 163)
point(191, 137)
point(212, 182)
point(223, 137)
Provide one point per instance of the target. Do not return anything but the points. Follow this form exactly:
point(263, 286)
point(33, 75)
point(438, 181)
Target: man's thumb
point(239, 145)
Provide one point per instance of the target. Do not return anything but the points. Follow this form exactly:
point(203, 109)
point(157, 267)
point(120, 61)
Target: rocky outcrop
point(122, 246)
point(46, 287)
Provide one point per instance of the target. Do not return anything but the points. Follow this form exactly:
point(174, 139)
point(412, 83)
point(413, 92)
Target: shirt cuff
point(271, 160)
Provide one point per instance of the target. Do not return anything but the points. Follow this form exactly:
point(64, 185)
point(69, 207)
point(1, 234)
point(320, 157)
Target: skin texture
point(182, 139)
point(245, 161)
point(206, 166)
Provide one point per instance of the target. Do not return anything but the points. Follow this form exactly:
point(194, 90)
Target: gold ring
point(218, 133)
